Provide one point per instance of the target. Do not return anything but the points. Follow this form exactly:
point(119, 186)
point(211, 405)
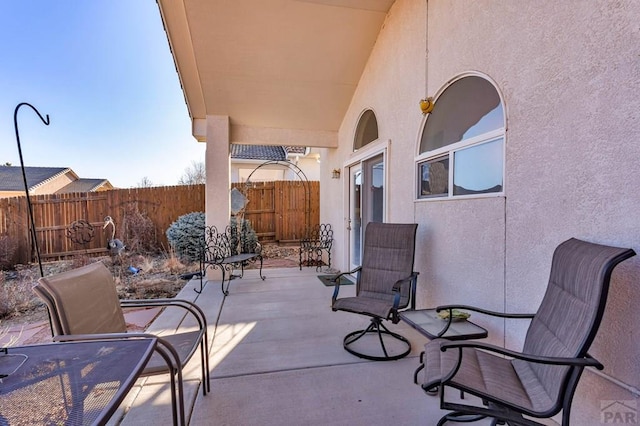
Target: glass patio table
point(427, 322)
point(71, 383)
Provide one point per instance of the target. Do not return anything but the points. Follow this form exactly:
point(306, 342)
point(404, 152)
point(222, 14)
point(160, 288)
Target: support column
point(217, 163)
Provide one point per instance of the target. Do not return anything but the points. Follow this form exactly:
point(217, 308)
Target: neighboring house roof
point(258, 152)
point(85, 185)
point(11, 177)
point(58, 180)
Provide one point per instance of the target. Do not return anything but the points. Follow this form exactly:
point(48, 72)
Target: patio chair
point(83, 305)
point(385, 284)
point(540, 381)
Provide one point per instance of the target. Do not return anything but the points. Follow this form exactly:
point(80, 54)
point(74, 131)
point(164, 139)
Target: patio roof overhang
point(271, 65)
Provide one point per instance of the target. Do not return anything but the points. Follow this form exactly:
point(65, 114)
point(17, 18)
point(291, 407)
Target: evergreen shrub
point(186, 235)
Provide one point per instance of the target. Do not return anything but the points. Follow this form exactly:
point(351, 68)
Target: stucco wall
point(391, 86)
point(51, 186)
point(569, 73)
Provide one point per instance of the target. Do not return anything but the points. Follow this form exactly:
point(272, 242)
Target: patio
point(277, 358)
point(347, 77)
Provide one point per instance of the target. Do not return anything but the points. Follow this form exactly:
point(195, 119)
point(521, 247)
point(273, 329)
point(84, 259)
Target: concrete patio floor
point(277, 359)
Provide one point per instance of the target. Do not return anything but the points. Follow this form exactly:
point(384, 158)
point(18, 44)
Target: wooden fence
point(278, 211)
point(281, 210)
point(54, 213)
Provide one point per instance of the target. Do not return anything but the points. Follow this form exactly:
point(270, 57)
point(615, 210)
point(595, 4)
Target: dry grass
point(157, 276)
point(146, 265)
point(16, 295)
point(173, 264)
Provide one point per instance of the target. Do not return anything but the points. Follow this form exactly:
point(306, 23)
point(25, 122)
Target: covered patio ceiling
point(271, 64)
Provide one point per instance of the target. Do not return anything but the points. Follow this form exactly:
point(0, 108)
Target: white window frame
point(450, 150)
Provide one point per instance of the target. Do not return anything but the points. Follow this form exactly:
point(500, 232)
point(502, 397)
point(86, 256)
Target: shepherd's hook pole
point(24, 177)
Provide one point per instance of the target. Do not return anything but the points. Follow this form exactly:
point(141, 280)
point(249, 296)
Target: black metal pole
point(24, 178)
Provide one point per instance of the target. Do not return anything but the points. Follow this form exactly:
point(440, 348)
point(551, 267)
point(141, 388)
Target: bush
point(7, 250)
point(139, 232)
point(186, 235)
point(248, 237)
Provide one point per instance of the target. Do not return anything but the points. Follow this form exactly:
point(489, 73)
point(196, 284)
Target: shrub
point(248, 237)
point(139, 232)
point(7, 250)
point(186, 235)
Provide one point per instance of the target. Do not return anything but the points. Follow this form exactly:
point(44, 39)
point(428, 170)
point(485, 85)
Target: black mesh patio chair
point(83, 305)
point(540, 381)
point(386, 283)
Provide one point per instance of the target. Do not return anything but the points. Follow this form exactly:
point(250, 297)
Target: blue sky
point(103, 71)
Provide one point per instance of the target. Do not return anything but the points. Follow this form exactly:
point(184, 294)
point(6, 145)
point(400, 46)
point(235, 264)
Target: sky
point(103, 72)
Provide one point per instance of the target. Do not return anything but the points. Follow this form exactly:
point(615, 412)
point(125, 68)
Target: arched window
point(462, 143)
point(367, 130)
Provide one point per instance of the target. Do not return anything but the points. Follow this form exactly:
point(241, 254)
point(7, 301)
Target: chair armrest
point(484, 311)
point(336, 279)
point(397, 287)
point(588, 361)
point(189, 306)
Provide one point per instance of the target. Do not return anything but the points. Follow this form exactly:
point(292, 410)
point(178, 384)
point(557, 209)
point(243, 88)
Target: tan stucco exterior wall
point(52, 185)
point(9, 194)
point(569, 73)
point(308, 167)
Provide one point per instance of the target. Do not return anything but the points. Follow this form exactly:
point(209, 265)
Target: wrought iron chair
point(83, 305)
point(540, 381)
point(317, 239)
point(386, 283)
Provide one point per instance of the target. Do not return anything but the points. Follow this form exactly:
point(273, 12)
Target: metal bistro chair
point(539, 381)
point(317, 239)
point(83, 305)
point(386, 283)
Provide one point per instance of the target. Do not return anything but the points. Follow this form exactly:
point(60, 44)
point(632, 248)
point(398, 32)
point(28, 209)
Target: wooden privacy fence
point(54, 213)
point(281, 210)
point(278, 211)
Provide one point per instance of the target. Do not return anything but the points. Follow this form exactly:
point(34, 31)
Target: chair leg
point(203, 271)
point(499, 415)
point(460, 418)
point(419, 369)
point(225, 292)
point(377, 327)
point(262, 277)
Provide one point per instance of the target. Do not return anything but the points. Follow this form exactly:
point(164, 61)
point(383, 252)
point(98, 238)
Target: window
point(462, 142)
point(434, 177)
point(366, 131)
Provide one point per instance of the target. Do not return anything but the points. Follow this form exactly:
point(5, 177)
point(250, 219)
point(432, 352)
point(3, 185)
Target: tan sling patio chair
point(83, 304)
point(539, 381)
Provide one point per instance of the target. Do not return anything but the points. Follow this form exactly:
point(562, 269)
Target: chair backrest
point(43, 294)
point(85, 300)
point(387, 257)
point(318, 236)
point(571, 310)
